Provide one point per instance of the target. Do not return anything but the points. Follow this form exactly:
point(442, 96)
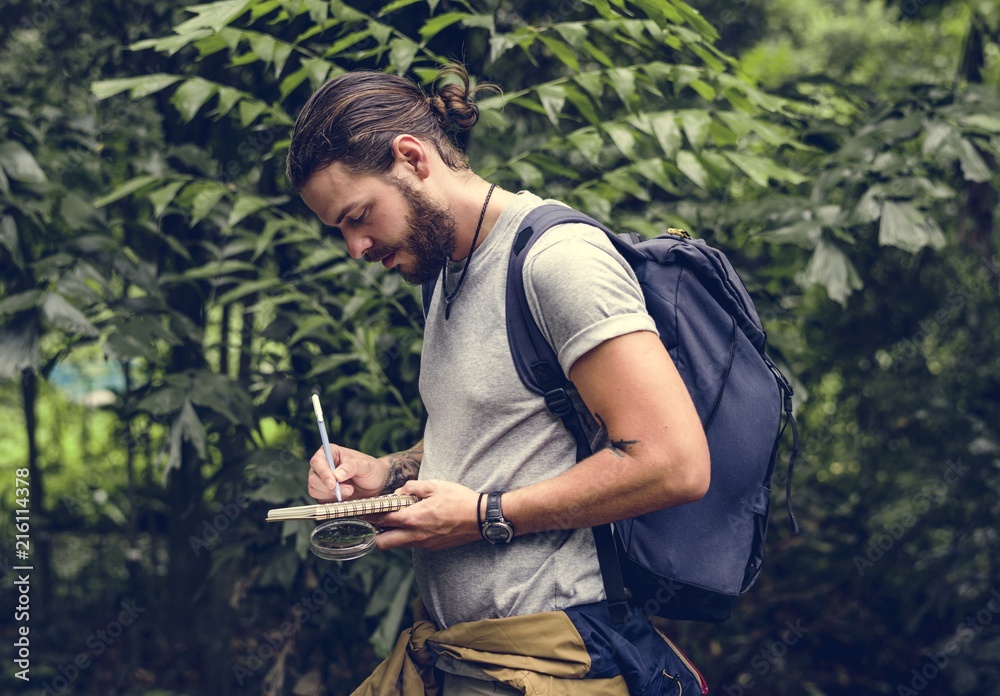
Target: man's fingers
point(421, 489)
point(395, 538)
point(321, 467)
point(321, 489)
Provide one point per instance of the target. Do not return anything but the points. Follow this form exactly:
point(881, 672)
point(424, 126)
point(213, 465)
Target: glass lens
point(343, 540)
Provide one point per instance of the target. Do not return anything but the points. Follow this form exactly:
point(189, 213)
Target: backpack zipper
point(677, 680)
point(687, 663)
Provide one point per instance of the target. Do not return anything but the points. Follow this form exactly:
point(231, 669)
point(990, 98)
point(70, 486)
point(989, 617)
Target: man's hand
point(360, 475)
point(444, 517)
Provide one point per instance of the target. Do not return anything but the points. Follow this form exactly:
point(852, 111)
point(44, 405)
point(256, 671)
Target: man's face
point(383, 218)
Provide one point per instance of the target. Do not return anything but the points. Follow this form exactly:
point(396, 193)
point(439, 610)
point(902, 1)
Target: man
point(372, 155)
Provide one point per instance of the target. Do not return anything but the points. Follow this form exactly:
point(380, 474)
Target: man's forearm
point(608, 486)
point(402, 466)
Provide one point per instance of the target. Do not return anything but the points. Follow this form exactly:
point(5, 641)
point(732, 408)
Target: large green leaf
point(553, 98)
point(667, 132)
point(139, 86)
point(973, 166)
point(58, 311)
point(206, 196)
point(218, 269)
point(623, 137)
point(192, 95)
point(560, 51)
point(187, 426)
point(213, 15)
point(162, 197)
point(10, 240)
point(438, 23)
point(831, 268)
point(12, 304)
point(695, 123)
point(20, 164)
point(402, 52)
point(692, 168)
point(762, 169)
point(245, 205)
point(172, 44)
point(588, 143)
point(19, 345)
point(129, 187)
point(904, 226)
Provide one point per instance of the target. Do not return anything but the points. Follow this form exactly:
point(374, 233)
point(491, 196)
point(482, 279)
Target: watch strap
point(494, 513)
point(495, 529)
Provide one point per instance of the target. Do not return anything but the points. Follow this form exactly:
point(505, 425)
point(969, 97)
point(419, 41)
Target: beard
point(431, 239)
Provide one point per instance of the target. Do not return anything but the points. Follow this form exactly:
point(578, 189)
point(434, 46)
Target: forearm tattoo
point(403, 467)
point(618, 447)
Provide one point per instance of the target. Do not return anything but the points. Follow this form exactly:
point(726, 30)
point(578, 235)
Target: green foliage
point(144, 220)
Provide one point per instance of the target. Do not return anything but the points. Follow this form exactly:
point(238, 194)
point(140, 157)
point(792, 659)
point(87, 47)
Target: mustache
point(377, 253)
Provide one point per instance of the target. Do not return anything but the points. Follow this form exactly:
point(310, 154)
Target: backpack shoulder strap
point(536, 362)
point(426, 293)
point(539, 369)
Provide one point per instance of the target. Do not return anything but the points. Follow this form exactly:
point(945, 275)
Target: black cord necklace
point(449, 297)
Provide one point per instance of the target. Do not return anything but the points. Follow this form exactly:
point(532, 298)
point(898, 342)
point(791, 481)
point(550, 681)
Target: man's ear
point(412, 156)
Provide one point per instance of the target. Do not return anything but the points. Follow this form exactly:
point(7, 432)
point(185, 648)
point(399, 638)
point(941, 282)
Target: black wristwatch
point(496, 529)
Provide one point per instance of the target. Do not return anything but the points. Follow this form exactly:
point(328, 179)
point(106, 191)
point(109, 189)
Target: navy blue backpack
point(690, 561)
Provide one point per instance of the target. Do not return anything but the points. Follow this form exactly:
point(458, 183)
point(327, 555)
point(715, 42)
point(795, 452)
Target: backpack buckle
point(559, 402)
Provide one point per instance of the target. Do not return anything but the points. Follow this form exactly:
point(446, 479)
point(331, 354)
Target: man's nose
point(357, 244)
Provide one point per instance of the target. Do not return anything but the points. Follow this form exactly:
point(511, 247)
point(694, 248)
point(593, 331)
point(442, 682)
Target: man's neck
point(468, 209)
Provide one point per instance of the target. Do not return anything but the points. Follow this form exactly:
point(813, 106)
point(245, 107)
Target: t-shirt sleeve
point(581, 291)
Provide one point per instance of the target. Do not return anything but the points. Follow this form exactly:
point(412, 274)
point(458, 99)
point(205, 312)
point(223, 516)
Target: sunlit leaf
point(589, 143)
point(623, 138)
point(128, 188)
point(191, 96)
point(573, 33)
point(560, 51)
point(228, 97)
point(59, 312)
point(689, 165)
point(245, 205)
point(10, 240)
point(904, 226)
point(695, 123)
point(667, 132)
point(250, 109)
point(162, 197)
point(402, 52)
point(213, 15)
point(831, 268)
point(20, 301)
point(140, 86)
point(187, 427)
point(973, 166)
point(528, 173)
point(553, 98)
point(435, 25)
point(20, 164)
point(206, 197)
point(622, 81)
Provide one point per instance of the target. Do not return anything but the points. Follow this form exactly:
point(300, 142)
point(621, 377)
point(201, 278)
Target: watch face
point(498, 533)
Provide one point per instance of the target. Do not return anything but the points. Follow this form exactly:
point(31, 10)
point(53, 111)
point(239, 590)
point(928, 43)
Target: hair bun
point(454, 107)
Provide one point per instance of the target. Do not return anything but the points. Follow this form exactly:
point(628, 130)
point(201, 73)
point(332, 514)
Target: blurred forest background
point(166, 309)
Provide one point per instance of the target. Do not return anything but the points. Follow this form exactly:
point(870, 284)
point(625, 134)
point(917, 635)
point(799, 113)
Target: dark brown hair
point(354, 118)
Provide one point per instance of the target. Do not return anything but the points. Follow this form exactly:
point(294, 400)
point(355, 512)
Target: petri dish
point(343, 540)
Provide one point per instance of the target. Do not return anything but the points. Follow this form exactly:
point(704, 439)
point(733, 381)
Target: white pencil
point(326, 444)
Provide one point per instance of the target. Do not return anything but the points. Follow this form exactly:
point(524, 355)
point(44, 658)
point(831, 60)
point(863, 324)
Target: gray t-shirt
point(486, 431)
